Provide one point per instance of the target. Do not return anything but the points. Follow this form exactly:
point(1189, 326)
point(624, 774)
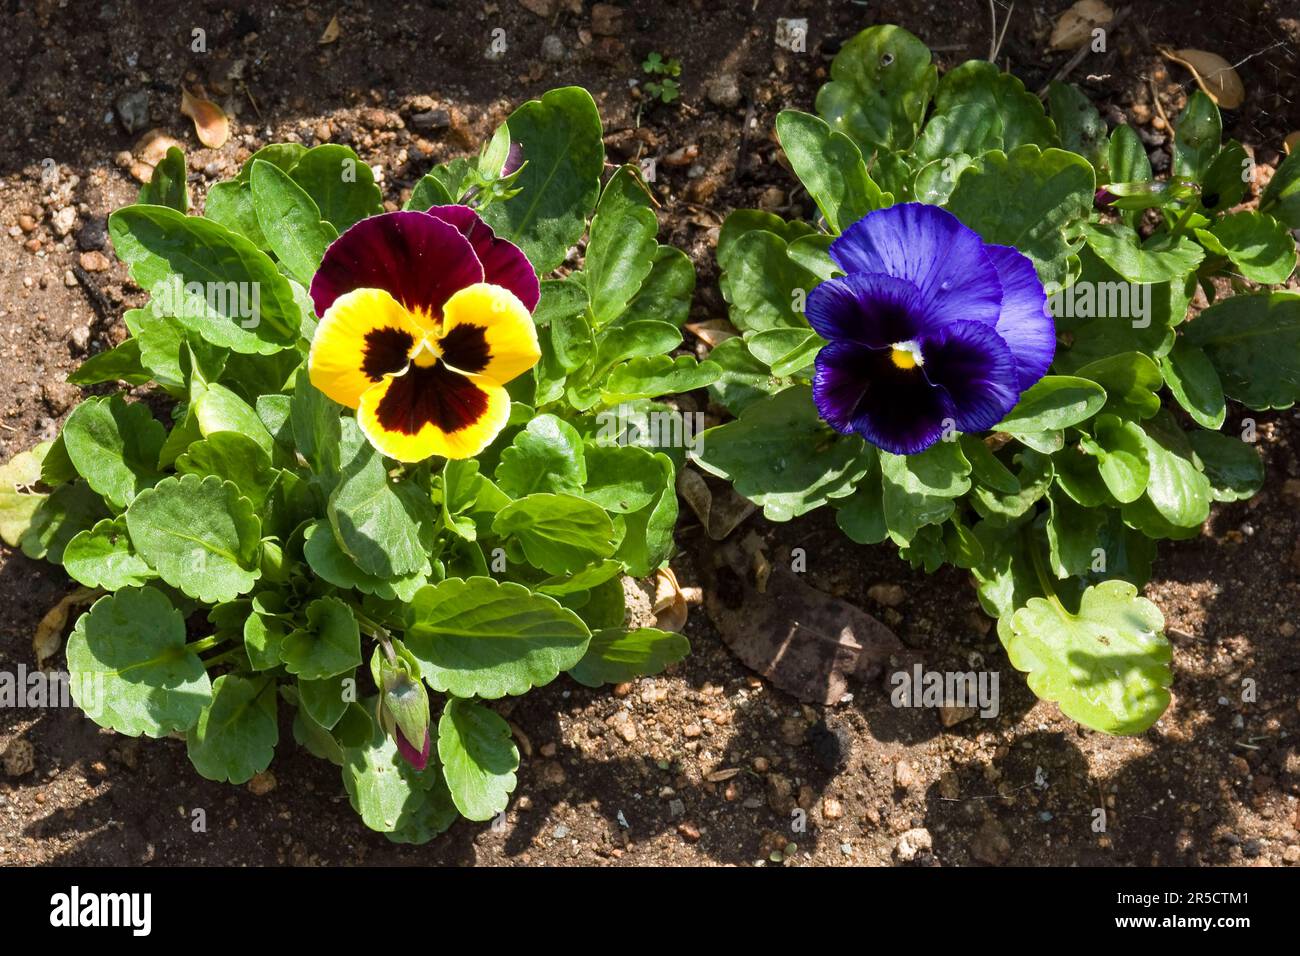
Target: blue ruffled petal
point(930, 248)
point(1026, 323)
point(973, 365)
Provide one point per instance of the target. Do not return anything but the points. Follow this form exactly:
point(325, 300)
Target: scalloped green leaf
point(477, 637)
point(978, 108)
point(130, 669)
point(1195, 384)
point(289, 220)
point(18, 500)
point(331, 564)
point(236, 734)
point(830, 166)
point(114, 446)
point(102, 557)
point(1233, 467)
point(329, 645)
point(655, 375)
point(618, 654)
point(559, 533)
point(200, 534)
point(1254, 343)
point(546, 456)
point(1258, 245)
point(1107, 666)
point(339, 183)
point(478, 758)
point(621, 247)
point(408, 805)
point(922, 489)
point(1053, 402)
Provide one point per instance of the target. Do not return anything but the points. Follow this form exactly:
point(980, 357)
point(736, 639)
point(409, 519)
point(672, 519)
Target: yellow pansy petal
point(363, 336)
point(433, 410)
point(486, 330)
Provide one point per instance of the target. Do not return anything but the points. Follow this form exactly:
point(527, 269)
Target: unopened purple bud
point(1103, 198)
point(419, 759)
point(514, 159)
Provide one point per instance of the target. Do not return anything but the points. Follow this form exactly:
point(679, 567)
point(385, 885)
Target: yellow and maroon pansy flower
point(424, 316)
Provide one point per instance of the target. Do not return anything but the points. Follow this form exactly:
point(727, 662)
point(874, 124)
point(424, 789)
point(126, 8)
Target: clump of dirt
point(707, 763)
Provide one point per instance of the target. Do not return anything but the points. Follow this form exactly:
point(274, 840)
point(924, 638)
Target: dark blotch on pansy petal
point(972, 363)
point(860, 389)
point(431, 395)
point(504, 263)
point(465, 348)
point(385, 352)
point(420, 260)
point(418, 759)
point(867, 308)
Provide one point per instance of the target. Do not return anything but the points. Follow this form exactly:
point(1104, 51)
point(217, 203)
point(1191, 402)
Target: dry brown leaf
point(211, 124)
point(331, 31)
point(712, 332)
point(1291, 142)
point(721, 776)
point(719, 514)
point(153, 145)
point(669, 604)
point(1213, 74)
point(1074, 27)
point(49, 632)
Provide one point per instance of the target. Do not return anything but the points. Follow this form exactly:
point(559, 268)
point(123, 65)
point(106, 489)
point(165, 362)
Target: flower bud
point(403, 707)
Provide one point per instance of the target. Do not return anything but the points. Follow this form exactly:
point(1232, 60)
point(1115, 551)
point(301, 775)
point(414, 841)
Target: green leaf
point(265, 630)
point(1034, 477)
point(1072, 534)
point(1260, 246)
point(329, 645)
point(617, 654)
point(374, 524)
point(648, 540)
point(744, 221)
point(478, 637)
point(978, 108)
point(166, 187)
point(409, 805)
point(922, 489)
point(621, 478)
point(216, 282)
point(652, 376)
point(339, 183)
point(1158, 259)
point(1081, 128)
point(115, 446)
point(234, 457)
point(781, 456)
point(1281, 197)
point(1107, 666)
point(665, 294)
point(18, 502)
point(429, 192)
point(478, 758)
point(119, 364)
point(67, 510)
point(1195, 385)
point(561, 137)
point(199, 534)
point(1233, 467)
point(1122, 457)
point(1196, 136)
point(559, 533)
point(620, 250)
point(102, 557)
point(830, 167)
point(546, 456)
point(744, 379)
point(235, 737)
point(1131, 381)
point(1254, 343)
point(130, 669)
point(1177, 489)
point(1027, 198)
point(1128, 157)
point(881, 83)
point(329, 562)
point(1054, 401)
point(763, 285)
point(986, 468)
point(290, 221)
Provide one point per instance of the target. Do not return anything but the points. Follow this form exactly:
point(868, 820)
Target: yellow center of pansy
point(906, 355)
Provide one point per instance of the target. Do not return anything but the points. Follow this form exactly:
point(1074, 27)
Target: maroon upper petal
point(504, 263)
point(421, 260)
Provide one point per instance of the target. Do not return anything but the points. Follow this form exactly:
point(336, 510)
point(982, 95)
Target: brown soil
point(626, 779)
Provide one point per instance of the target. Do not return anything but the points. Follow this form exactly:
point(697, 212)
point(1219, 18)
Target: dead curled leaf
point(49, 632)
point(1291, 142)
point(670, 603)
point(806, 642)
point(211, 124)
point(331, 31)
point(719, 514)
point(712, 332)
point(1213, 74)
point(1074, 27)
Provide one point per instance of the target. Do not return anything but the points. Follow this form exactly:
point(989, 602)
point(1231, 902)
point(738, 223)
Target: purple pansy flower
point(929, 329)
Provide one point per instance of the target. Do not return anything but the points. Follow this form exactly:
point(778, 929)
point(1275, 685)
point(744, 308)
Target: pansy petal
point(420, 260)
point(859, 389)
point(504, 263)
point(487, 331)
point(1026, 323)
point(433, 410)
point(364, 335)
point(973, 365)
point(930, 248)
point(869, 308)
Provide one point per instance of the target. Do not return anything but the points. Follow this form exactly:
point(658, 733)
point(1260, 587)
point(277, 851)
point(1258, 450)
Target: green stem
point(224, 657)
point(1040, 570)
point(206, 643)
point(1182, 222)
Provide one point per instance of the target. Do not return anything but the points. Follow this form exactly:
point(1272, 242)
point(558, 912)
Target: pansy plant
point(375, 481)
point(981, 349)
